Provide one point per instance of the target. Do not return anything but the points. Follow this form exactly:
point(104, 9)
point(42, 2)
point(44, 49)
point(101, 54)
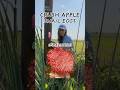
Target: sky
point(94, 12)
point(63, 6)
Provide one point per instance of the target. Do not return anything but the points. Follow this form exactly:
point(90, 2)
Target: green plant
point(44, 83)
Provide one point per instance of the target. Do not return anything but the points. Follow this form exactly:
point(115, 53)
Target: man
point(62, 35)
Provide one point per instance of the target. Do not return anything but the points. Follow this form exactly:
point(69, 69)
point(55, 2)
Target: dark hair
point(60, 38)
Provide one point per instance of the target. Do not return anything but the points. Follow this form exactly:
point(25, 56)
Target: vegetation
point(108, 71)
point(45, 83)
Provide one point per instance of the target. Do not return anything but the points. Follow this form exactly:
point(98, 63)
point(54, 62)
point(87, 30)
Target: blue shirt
point(67, 39)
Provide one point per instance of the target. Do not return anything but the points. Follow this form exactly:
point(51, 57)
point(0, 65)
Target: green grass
point(105, 80)
point(10, 60)
point(106, 49)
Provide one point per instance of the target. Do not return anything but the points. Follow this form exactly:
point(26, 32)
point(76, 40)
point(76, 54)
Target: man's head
point(62, 30)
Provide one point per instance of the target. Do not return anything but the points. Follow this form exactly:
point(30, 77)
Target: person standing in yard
point(62, 35)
